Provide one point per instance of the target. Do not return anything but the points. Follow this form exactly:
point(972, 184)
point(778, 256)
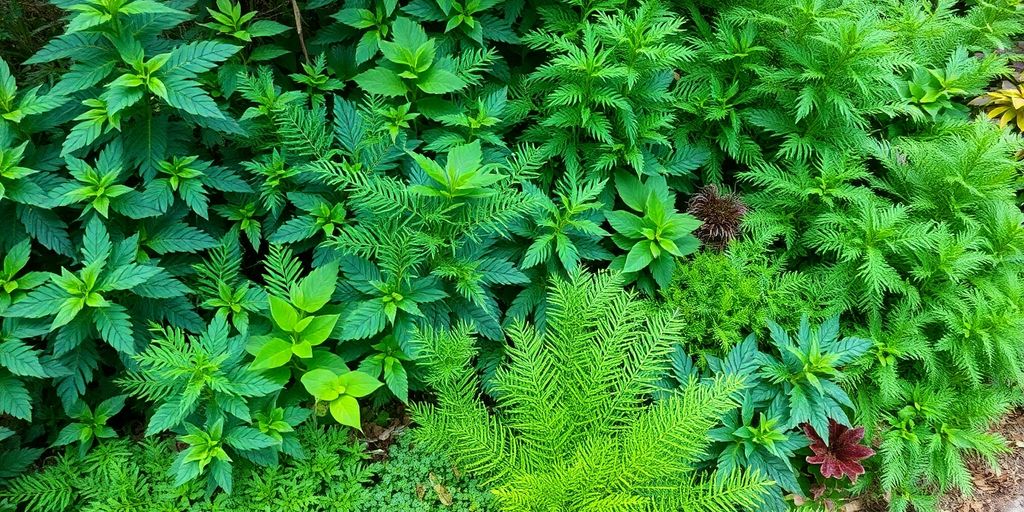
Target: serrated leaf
point(21, 359)
point(180, 237)
point(397, 379)
point(248, 438)
point(381, 81)
point(190, 97)
point(193, 58)
point(14, 398)
point(115, 327)
point(365, 319)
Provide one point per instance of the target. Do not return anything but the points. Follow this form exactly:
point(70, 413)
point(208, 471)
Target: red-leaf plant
point(843, 455)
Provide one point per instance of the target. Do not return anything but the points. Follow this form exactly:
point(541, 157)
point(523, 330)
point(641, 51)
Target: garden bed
point(511, 255)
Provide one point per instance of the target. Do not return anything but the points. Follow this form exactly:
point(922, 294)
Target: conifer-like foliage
point(573, 429)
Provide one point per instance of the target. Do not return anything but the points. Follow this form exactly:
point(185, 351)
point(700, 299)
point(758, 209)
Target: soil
point(1001, 490)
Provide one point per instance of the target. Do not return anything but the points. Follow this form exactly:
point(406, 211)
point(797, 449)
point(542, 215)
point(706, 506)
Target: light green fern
point(574, 428)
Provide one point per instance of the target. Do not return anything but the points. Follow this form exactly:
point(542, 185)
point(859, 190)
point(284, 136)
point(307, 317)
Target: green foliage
point(15, 458)
point(410, 65)
point(289, 198)
point(603, 94)
point(576, 431)
point(765, 434)
point(928, 435)
point(804, 375)
point(389, 359)
point(415, 479)
point(654, 240)
point(296, 329)
point(126, 475)
point(91, 425)
point(340, 392)
point(205, 392)
point(723, 296)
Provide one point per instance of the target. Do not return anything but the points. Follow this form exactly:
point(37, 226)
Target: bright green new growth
point(723, 297)
point(340, 392)
point(804, 374)
point(296, 328)
point(575, 429)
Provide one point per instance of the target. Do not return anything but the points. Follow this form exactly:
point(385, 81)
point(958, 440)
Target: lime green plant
point(340, 392)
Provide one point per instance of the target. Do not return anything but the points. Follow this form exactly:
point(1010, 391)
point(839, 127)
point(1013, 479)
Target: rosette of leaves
point(15, 106)
point(380, 298)
point(1005, 103)
point(207, 452)
point(755, 437)
point(389, 359)
point(317, 79)
point(191, 179)
point(317, 218)
point(469, 20)
point(91, 424)
point(564, 232)
point(470, 117)
point(106, 299)
point(463, 176)
point(751, 437)
point(929, 431)
point(221, 286)
point(15, 281)
point(15, 182)
point(720, 215)
point(280, 423)
point(934, 91)
point(340, 391)
point(802, 379)
point(298, 327)
point(410, 66)
point(653, 234)
point(94, 187)
point(843, 455)
point(228, 19)
point(197, 379)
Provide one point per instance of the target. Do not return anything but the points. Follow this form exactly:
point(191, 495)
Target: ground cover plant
point(513, 255)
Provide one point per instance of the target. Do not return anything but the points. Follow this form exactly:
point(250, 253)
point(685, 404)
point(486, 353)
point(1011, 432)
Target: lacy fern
point(576, 432)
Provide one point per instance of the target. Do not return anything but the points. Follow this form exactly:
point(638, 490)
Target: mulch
point(1001, 490)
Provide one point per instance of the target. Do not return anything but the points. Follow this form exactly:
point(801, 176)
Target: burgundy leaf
point(720, 216)
point(843, 456)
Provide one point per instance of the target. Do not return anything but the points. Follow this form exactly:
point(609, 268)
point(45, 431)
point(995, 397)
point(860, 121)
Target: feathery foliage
point(574, 431)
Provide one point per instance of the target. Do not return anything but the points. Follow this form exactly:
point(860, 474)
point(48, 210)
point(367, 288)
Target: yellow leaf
point(1007, 117)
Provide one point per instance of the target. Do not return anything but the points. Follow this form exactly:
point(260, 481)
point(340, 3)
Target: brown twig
point(298, 29)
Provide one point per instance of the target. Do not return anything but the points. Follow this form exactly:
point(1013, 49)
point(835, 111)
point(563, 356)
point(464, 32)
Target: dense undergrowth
point(608, 255)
